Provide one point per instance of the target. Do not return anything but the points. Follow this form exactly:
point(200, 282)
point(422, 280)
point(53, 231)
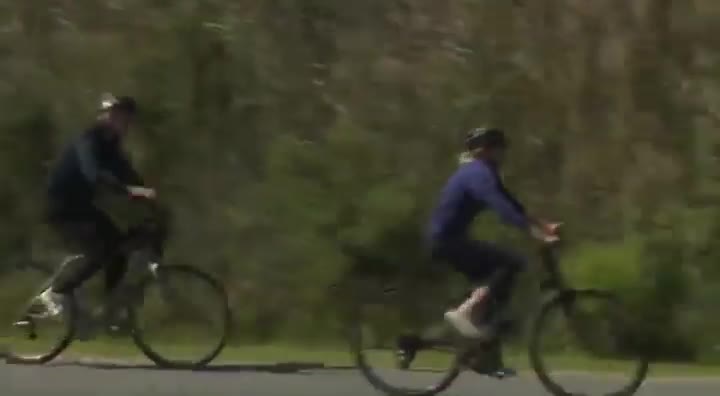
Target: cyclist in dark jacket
point(93, 160)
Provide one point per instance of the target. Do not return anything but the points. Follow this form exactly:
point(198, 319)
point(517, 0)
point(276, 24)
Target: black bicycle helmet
point(485, 138)
point(124, 103)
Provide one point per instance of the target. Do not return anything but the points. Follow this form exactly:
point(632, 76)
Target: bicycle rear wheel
point(183, 319)
point(397, 349)
point(579, 334)
point(33, 336)
point(37, 337)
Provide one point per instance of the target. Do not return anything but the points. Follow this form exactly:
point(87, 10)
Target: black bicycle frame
point(150, 234)
point(554, 279)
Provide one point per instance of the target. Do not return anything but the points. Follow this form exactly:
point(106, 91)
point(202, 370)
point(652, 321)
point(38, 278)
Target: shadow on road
point(272, 368)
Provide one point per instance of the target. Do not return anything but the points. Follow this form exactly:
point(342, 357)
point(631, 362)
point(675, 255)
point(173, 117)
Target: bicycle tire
point(69, 318)
point(152, 354)
point(560, 302)
point(376, 381)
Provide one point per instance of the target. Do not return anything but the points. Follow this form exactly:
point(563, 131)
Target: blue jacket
point(474, 187)
point(93, 159)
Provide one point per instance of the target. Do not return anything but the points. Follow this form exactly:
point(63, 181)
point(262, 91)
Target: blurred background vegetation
point(290, 135)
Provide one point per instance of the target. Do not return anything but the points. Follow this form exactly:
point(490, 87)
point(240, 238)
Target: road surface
point(108, 379)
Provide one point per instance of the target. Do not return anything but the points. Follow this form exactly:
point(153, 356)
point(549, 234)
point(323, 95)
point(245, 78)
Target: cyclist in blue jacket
point(473, 188)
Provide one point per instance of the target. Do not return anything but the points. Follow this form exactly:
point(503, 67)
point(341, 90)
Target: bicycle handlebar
point(153, 228)
point(546, 244)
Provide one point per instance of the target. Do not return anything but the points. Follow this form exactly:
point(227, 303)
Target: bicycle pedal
point(405, 359)
point(117, 331)
point(28, 326)
point(496, 373)
point(504, 374)
point(407, 347)
point(22, 323)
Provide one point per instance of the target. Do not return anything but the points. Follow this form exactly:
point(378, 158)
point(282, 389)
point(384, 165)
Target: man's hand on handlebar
point(552, 228)
point(545, 231)
point(141, 192)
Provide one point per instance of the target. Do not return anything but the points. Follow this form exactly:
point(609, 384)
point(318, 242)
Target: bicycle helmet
point(125, 103)
point(485, 138)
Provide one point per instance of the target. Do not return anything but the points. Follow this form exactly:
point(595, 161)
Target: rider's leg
point(115, 270)
point(502, 282)
point(497, 269)
point(97, 239)
point(80, 235)
point(487, 263)
point(115, 263)
point(89, 232)
point(476, 300)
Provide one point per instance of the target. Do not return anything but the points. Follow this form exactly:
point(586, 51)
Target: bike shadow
point(290, 368)
point(270, 368)
point(299, 368)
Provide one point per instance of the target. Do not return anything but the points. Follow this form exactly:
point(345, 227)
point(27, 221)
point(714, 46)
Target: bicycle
point(403, 332)
point(172, 286)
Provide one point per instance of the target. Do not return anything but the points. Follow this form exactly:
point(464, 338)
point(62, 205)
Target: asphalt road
point(84, 379)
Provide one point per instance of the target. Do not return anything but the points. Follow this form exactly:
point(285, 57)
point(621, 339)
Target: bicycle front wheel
point(183, 319)
point(587, 343)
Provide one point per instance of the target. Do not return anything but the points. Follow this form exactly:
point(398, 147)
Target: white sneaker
point(52, 302)
point(462, 322)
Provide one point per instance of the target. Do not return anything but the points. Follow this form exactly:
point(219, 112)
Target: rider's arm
point(518, 206)
point(126, 172)
point(510, 197)
point(86, 148)
point(485, 188)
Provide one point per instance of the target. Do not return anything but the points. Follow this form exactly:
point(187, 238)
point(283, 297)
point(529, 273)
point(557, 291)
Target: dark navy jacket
point(474, 187)
point(93, 159)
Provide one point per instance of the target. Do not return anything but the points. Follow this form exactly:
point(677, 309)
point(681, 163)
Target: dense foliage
point(290, 135)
